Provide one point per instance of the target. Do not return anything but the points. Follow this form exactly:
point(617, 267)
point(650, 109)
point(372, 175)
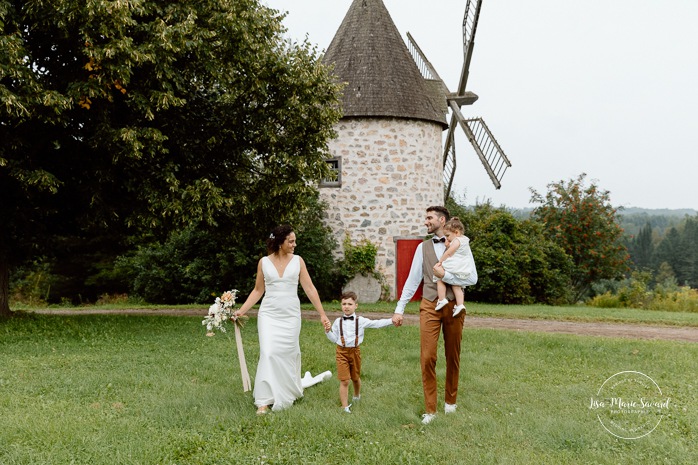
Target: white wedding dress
point(278, 378)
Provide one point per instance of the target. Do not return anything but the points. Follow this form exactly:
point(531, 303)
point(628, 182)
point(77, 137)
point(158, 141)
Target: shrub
point(684, 299)
point(182, 269)
point(605, 300)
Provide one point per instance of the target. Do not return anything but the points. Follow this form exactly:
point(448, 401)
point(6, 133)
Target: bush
point(605, 300)
point(31, 284)
point(182, 269)
point(684, 299)
point(634, 293)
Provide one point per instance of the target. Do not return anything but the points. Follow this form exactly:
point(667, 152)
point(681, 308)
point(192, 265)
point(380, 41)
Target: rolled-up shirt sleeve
point(414, 279)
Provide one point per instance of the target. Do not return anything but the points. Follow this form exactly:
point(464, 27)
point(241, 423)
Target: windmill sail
point(486, 146)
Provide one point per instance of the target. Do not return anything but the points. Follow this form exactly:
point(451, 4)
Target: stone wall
point(391, 172)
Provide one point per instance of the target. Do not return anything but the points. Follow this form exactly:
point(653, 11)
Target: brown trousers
point(431, 323)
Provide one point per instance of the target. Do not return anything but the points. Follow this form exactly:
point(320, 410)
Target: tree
point(669, 251)
point(642, 248)
point(688, 267)
point(153, 116)
point(584, 223)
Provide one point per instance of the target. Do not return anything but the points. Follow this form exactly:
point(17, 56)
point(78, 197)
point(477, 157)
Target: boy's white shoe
point(457, 309)
point(441, 304)
point(347, 409)
point(450, 408)
point(428, 418)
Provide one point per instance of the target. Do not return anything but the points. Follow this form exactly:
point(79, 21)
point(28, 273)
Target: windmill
point(486, 146)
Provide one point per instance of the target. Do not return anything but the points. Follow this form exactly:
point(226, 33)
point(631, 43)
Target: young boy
point(348, 333)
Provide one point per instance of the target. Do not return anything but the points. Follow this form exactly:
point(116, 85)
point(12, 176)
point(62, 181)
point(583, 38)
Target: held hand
point(237, 314)
point(397, 319)
point(326, 324)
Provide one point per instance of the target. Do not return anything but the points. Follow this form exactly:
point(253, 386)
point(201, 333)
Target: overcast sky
point(603, 87)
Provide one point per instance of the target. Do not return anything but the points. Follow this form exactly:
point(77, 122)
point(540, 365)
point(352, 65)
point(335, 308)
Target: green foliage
point(642, 248)
point(182, 269)
point(582, 221)
point(317, 245)
point(155, 115)
point(196, 263)
point(635, 292)
point(671, 255)
point(516, 263)
point(31, 284)
point(359, 258)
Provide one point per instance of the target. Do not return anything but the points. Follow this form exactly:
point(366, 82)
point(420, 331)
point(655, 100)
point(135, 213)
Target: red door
point(405, 247)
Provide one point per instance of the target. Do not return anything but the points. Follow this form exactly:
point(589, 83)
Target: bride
point(278, 380)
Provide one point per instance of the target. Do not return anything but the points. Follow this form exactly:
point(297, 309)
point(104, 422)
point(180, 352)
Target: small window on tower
point(335, 177)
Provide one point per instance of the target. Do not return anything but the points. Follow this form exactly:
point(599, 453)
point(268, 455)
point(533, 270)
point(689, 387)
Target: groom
point(431, 322)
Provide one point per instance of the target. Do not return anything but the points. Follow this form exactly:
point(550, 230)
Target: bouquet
point(221, 312)
point(218, 314)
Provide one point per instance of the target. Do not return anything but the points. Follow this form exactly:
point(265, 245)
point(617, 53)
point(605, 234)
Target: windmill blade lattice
point(487, 148)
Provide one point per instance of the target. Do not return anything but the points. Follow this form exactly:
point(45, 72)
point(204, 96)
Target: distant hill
point(626, 211)
point(681, 212)
point(632, 219)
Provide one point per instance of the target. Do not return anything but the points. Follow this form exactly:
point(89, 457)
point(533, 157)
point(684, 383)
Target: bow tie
point(437, 240)
point(348, 317)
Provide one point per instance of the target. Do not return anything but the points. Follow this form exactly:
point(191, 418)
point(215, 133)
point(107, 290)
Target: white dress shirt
point(349, 329)
point(414, 279)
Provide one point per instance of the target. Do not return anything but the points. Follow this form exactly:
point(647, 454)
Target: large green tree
point(153, 115)
point(583, 222)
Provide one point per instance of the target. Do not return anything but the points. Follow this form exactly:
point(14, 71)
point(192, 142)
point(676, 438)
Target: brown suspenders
point(341, 331)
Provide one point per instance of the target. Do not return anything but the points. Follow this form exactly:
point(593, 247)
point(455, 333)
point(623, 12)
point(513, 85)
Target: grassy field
point(539, 312)
point(114, 389)
point(547, 312)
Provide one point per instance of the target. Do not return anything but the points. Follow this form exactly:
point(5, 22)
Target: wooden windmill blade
point(478, 133)
point(466, 98)
point(488, 150)
point(470, 20)
point(486, 147)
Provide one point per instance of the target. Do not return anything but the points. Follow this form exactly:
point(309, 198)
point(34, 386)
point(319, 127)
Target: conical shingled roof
point(383, 79)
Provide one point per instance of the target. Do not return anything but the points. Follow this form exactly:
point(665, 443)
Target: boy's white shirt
point(350, 328)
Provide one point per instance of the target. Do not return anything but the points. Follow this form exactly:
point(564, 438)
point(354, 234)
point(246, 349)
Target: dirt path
point(633, 331)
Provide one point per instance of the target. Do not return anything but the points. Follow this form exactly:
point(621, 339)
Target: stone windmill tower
point(387, 159)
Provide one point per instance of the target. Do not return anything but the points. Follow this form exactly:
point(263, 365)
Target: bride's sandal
point(263, 410)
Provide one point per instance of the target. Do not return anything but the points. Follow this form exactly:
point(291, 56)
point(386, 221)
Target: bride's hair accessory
point(271, 236)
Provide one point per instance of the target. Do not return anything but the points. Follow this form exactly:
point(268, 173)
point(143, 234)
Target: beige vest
point(428, 261)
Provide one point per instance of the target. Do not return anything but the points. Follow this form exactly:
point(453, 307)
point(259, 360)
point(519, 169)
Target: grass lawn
point(538, 312)
point(546, 312)
point(116, 389)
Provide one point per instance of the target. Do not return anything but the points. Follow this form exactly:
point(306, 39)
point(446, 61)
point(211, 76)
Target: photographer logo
point(629, 405)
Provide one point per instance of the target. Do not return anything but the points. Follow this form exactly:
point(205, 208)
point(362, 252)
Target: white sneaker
point(457, 309)
point(450, 408)
point(441, 304)
point(356, 399)
point(347, 409)
point(428, 418)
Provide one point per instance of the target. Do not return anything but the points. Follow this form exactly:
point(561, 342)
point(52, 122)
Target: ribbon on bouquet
point(246, 383)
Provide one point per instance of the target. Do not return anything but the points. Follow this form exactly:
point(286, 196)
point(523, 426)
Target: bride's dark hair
point(277, 237)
